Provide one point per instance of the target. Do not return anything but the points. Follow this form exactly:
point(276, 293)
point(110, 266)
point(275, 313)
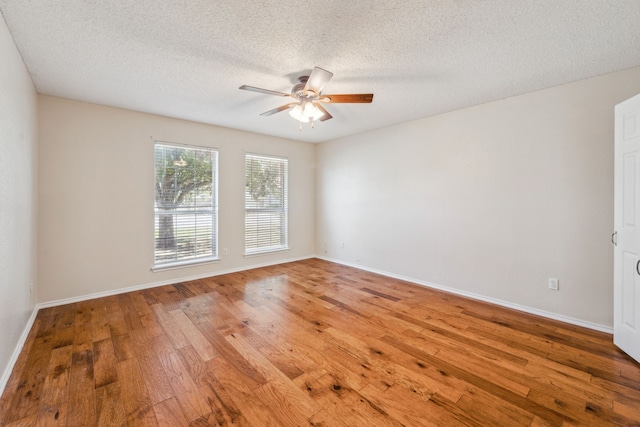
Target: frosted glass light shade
point(317, 113)
point(297, 113)
point(305, 112)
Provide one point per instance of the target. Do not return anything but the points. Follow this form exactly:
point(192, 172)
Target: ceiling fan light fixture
point(317, 113)
point(311, 111)
point(298, 113)
point(308, 109)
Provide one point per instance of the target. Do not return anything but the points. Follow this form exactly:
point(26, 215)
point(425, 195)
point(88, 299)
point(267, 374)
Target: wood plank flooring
point(313, 343)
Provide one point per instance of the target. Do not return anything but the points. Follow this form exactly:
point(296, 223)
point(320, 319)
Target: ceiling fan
point(309, 98)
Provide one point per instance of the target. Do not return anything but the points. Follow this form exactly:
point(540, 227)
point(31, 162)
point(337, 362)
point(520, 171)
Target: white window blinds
point(266, 211)
point(186, 204)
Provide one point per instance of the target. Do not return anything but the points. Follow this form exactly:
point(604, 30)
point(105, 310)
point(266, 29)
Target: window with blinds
point(186, 206)
point(266, 217)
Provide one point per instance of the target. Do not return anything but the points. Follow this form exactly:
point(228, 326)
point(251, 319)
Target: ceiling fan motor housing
point(298, 90)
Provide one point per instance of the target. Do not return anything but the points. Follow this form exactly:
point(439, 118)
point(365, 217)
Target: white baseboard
point(530, 310)
point(16, 352)
point(71, 300)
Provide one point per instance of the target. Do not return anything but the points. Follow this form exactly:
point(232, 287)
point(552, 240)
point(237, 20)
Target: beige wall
point(18, 192)
point(491, 200)
point(96, 196)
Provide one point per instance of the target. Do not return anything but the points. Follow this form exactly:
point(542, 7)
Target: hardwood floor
point(313, 343)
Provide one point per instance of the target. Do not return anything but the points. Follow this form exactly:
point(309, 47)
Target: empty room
point(286, 213)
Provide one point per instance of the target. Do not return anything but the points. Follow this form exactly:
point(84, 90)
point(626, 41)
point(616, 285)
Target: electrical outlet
point(554, 284)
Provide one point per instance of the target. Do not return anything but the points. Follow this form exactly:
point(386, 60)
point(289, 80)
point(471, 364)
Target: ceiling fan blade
point(318, 78)
point(267, 91)
point(352, 98)
point(281, 108)
point(326, 115)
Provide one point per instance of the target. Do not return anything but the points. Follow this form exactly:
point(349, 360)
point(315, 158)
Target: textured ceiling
point(186, 59)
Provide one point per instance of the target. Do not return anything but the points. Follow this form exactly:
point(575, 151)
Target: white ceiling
point(186, 59)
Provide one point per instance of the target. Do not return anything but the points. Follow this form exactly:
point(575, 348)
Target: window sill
point(265, 252)
point(183, 264)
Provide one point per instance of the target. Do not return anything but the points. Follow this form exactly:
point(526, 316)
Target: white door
point(626, 311)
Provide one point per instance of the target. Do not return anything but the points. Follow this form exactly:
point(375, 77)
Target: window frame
point(262, 250)
point(215, 236)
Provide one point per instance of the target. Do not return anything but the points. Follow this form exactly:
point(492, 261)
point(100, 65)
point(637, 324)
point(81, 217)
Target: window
point(266, 186)
point(186, 205)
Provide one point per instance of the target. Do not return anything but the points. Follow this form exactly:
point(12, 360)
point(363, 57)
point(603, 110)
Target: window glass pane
point(185, 203)
point(266, 181)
